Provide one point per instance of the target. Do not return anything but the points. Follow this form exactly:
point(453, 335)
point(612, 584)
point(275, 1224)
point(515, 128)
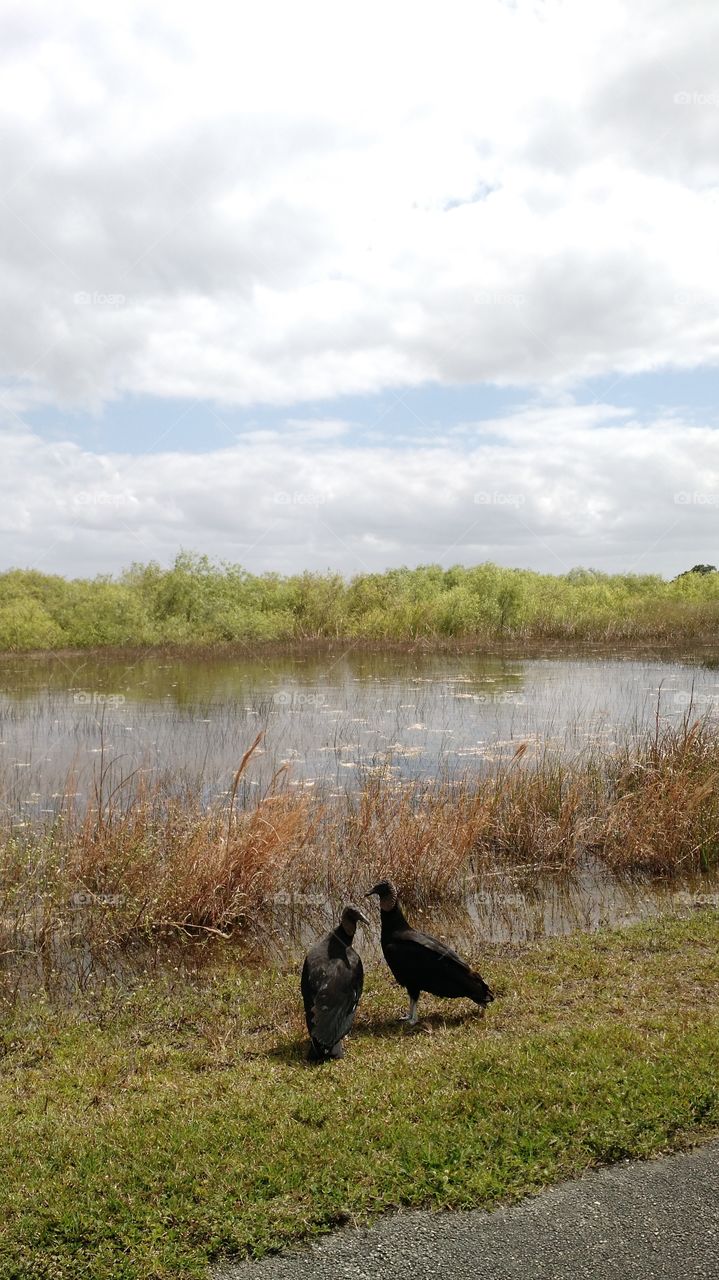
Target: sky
point(317, 286)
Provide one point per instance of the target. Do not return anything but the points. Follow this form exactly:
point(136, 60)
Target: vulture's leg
point(410, 1017)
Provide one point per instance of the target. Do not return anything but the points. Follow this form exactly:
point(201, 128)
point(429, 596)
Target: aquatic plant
point(146, 857)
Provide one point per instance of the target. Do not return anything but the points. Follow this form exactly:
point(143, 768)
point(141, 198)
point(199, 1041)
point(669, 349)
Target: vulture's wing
point(306, 989)
point(334, 1005)
point(424, 947)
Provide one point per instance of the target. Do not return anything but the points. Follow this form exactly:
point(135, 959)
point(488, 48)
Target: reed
point(662, 812)
point(141, 860)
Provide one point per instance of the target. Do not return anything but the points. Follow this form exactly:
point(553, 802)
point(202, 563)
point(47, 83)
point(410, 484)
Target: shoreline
point(661, 648)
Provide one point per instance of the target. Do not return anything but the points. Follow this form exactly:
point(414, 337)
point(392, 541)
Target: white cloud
point(290, 202)
point(547, 489)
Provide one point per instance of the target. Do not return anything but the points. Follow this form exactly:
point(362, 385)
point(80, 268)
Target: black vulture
point(331, 983)
point(420, 962)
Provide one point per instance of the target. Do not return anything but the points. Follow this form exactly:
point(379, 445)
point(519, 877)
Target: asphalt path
point(655, 1220)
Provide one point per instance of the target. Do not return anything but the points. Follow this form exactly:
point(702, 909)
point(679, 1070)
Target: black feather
point(331, 985)
point(420, 962)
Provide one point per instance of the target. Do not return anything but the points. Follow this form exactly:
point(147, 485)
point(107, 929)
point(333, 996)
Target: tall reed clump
point(537, 816)
point(661, 813)
point(422, 835)
point(168, 862)
point(433, 837)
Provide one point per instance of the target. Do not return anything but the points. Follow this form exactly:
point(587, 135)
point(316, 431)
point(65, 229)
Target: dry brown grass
point(431, 837)
point(142, 860)
point(663, 805)
point(176, 864)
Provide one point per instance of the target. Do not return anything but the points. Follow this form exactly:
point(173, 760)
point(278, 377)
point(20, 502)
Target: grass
point(146, 1130)
point(198, 603)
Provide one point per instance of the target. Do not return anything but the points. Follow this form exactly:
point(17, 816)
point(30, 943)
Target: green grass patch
point(147, 1131)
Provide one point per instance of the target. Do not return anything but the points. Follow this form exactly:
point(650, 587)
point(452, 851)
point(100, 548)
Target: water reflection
point(328, 721)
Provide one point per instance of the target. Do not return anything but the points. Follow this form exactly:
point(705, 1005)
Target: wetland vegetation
point(140, 855)
point(176, 827)
point(198, 602)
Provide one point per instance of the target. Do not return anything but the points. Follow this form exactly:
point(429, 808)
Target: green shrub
point(198, 601)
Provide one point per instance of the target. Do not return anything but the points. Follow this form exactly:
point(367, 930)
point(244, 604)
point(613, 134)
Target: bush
point(197, 601)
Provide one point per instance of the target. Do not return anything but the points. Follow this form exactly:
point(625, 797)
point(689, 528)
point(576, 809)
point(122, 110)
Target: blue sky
point(151, 424)
point(447, 291)
point(148, 424)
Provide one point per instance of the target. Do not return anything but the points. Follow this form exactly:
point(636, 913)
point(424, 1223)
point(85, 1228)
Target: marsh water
point(330, 721)
point(327, 719)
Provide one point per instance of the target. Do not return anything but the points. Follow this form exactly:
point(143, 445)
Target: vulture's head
point(351, 917)
point(386, 893)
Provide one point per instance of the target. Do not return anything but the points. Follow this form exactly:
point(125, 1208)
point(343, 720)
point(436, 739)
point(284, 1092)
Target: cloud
point(290, 204)
point(546, 488)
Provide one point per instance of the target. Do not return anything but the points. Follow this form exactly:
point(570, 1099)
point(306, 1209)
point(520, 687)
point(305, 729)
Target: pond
point(328, 719)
